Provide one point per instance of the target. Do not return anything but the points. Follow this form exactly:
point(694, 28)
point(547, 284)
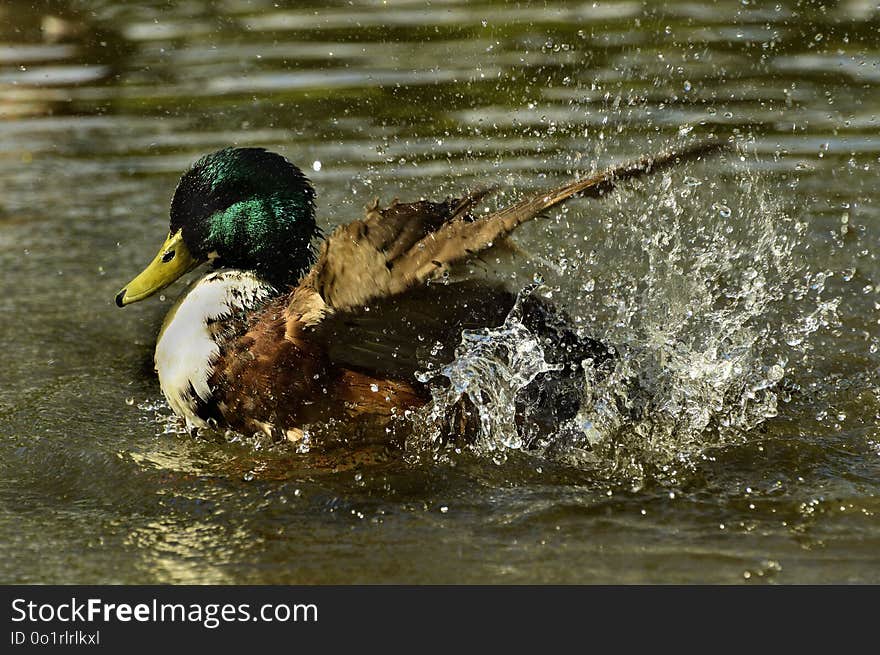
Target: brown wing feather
point(395, 229)
point(400, 247)
point(357, 261)
point(459, 239)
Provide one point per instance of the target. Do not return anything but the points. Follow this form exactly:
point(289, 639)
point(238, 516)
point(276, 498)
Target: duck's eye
point(168, 256)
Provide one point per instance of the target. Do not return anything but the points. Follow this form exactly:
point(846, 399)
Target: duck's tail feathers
point(460, 238)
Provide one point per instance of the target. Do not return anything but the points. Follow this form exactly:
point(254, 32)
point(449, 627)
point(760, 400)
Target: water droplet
point(775, 373)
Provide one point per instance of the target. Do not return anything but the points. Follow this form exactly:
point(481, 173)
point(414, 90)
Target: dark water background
point(103, 104)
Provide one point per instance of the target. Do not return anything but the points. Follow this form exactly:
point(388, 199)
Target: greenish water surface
point(745, 290)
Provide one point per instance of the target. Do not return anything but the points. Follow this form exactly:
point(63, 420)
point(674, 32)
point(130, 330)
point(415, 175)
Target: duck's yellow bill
point(172, 261)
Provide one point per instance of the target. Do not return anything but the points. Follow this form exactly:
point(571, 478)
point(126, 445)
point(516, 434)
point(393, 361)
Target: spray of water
point(707, 302)
point(490, 368)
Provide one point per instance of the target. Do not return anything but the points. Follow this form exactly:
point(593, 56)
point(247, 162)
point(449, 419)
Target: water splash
point(490, 367)
point(709, 306)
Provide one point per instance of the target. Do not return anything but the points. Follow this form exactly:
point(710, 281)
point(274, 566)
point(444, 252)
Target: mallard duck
point(290, 329)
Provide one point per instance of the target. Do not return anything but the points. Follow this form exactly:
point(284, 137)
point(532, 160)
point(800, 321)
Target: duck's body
point(278, 338)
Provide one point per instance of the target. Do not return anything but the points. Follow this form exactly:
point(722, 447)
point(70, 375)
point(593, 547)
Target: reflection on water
point(738, 439)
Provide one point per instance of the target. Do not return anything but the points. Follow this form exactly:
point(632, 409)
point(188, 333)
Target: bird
point(291, 328)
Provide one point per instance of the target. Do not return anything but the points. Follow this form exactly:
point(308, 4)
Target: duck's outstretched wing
point(459, 239)
point(355, 300)
point(396, 249)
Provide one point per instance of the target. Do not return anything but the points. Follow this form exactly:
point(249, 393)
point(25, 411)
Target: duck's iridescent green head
point(243, 208)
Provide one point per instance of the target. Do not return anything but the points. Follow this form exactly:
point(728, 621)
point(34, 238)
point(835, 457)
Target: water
point(736, 440)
